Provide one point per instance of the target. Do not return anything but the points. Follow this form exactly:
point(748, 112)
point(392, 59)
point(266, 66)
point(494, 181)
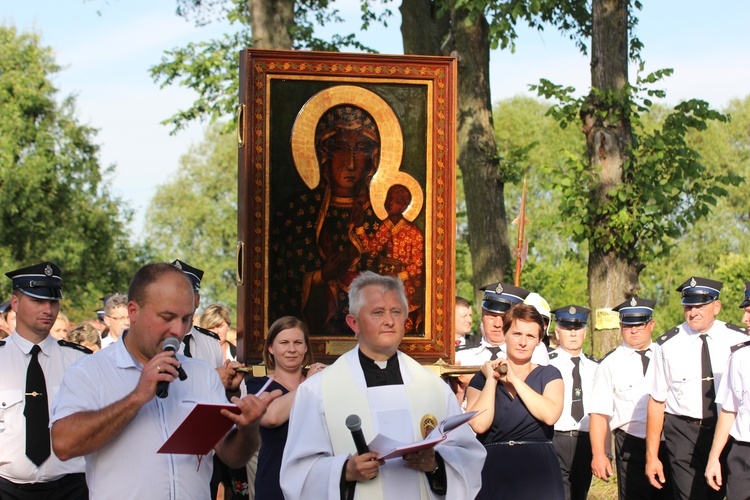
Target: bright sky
point(107, 46)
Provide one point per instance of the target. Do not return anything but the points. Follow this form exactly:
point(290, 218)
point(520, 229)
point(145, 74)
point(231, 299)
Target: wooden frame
point(291, 103)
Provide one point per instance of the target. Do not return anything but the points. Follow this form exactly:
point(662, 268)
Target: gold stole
point(343, 396)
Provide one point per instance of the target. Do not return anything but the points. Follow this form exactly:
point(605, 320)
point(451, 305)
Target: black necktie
point(36, 411)
point(576, 407)
point(186, 341)
point(494, 351)
point(707, 377)
point(644, 359)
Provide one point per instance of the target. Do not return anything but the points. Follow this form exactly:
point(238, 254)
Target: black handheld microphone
point(162, 388)
point(354, 423)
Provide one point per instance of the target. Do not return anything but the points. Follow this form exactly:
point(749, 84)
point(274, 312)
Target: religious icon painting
point(346, 164)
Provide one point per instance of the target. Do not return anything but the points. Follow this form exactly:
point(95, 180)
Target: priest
point(393, 395)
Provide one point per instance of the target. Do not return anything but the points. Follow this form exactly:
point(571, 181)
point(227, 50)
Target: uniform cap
point(41, 281)
point(746, 302)
point(636, 311)
point(499, 297)
point(572, 316)
point(193, 273)
point(699, 291)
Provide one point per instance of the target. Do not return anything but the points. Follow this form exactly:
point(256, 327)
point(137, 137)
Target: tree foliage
point(665, 185)
point(55, 202)
point(194, 216)
point(210, 68)
point(532, 145)
point(571, 17)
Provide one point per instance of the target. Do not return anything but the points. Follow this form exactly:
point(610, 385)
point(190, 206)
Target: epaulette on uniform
point(605, 356)
point(553, 355)
point(2, 343)
point(591, 358)
point(667, 335)
point(740, 345)
point(73, 345)
point(737, 328)
point(207, 332)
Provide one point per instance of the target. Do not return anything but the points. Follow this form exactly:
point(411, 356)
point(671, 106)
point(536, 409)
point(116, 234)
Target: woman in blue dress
point(286, 353)
point(520, 411)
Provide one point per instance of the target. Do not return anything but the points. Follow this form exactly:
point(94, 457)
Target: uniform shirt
point(108, 341)
point(560, 359)
point(734, 392)
point(676, 378)
point(621, 389)
point(478, 355)
point(129, 466)
point(204, 344)
point(15, 355)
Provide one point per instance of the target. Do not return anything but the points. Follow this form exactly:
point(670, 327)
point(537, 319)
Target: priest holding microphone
point(391, 394)
point(108, 412)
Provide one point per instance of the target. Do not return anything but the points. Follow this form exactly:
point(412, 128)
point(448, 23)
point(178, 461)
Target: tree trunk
point(612, 276)
point(477, 152)
point(422, 31)
point(270, 21)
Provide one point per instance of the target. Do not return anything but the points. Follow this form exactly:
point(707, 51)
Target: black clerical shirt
point(376, 376)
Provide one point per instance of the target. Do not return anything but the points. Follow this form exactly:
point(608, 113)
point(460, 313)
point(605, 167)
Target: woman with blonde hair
point(86, 335)
point(217, 319)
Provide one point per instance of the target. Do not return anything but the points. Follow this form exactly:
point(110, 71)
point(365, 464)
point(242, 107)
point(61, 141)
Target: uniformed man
point(571, 439)
point(619, 403)
point(734, 420)
point(688, 368)
point(498, 298)
point(200, 343)
point(32, 364)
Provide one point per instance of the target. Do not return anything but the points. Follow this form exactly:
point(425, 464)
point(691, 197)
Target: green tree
point(532, 145)
point(55, 202)
point(636, 190)
point(194, 217)
point(715, 247)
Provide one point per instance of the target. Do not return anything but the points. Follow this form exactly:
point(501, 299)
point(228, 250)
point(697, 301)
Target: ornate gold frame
point(390, 88)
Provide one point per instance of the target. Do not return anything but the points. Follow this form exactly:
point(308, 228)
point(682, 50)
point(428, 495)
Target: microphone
point(162, 388)
point(354, 423)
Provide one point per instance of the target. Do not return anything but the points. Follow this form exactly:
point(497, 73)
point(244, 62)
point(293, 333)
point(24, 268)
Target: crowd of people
point(76, 425)
point(676, 409)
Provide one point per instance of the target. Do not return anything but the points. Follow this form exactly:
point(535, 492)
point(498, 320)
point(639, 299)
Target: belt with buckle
point(516, 443)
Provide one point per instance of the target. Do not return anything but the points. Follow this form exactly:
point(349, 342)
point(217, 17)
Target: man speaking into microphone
point(392, 395)
point(106, 410)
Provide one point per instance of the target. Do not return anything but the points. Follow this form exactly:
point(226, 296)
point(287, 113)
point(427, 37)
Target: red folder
point(200, 431)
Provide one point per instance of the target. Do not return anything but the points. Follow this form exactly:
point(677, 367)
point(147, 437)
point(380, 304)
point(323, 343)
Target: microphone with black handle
point(354, 423)
point(173, 345)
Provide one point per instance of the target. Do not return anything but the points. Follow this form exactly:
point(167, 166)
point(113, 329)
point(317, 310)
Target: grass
point(603, 491)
